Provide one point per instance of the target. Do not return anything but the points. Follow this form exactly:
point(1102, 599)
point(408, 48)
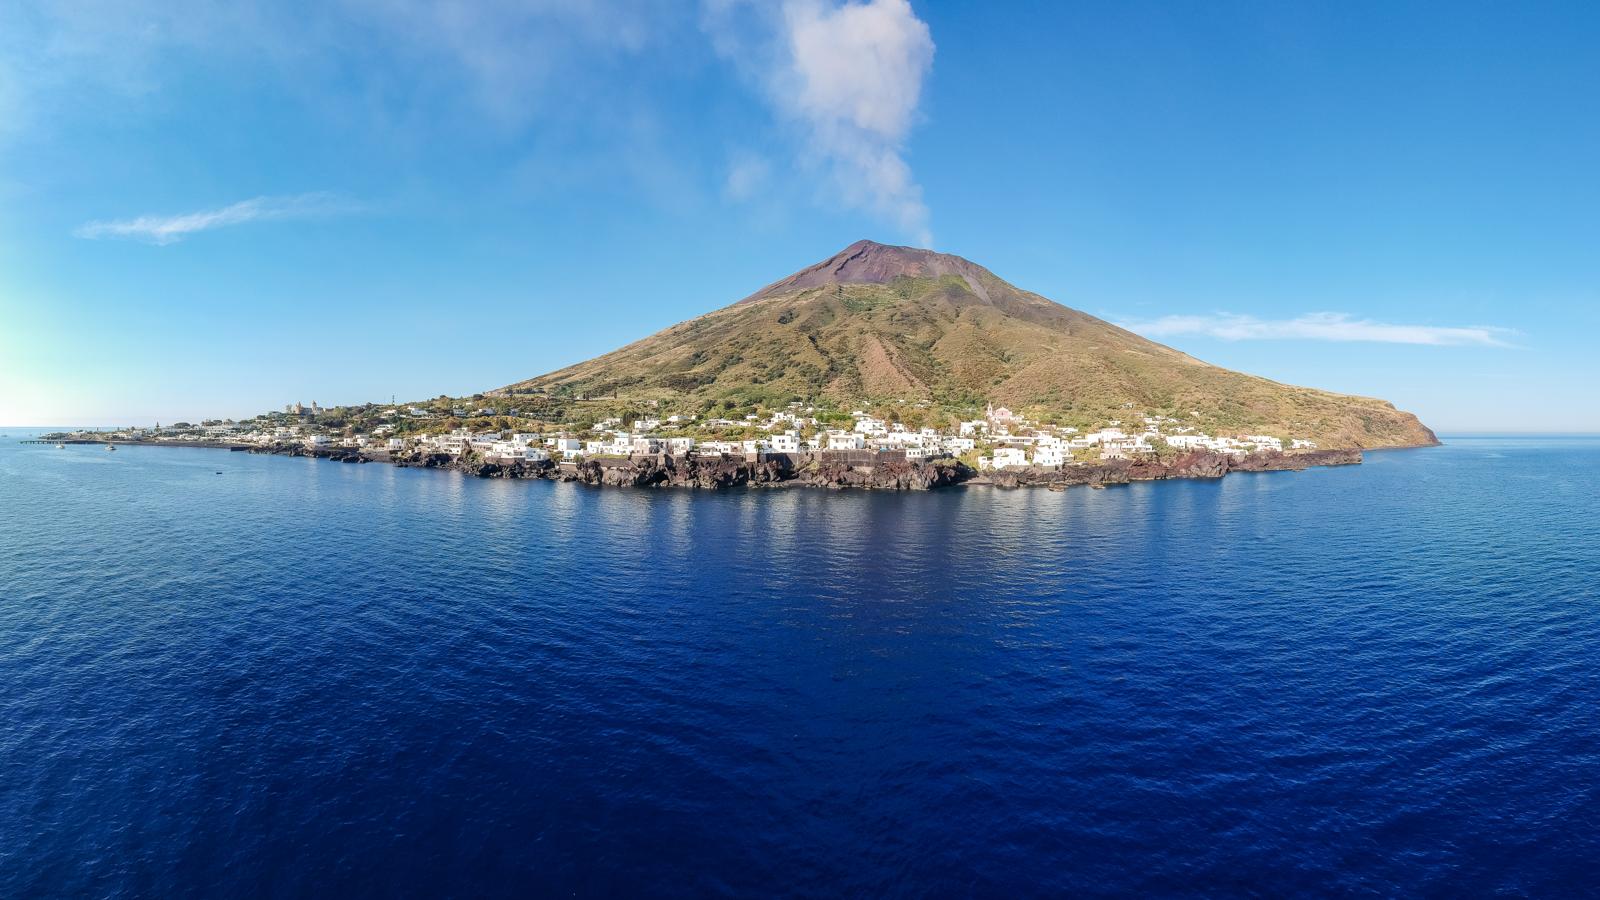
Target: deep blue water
point(303, 678)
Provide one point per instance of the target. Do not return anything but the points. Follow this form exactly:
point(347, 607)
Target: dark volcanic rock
point(890, 476)
point(675, 471)
point(1277, 462)
point(1194, 464)
point(868, 262)
point(721, 472)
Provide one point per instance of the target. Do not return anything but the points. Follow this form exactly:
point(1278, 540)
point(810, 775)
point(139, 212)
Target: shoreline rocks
point(781, 470)
point(1195, 464)
point(784, 470)
point(717, 473)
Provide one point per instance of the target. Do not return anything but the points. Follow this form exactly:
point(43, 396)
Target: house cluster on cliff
point(781, 433)
point(1018, 443)
point(1003, 439)
point(999, 439)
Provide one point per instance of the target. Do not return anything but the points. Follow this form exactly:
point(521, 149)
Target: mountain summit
point(882, 325)
point(869, 262)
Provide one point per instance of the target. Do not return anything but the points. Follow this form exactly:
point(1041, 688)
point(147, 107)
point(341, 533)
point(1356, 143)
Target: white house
point(869, 425)
point(1125, 448)
point(1004, 457)
point(846, 440)
point(1009, 456)
point(1050, 455)
point(511, 451)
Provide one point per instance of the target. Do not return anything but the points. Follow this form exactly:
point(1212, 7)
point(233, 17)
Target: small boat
point(111, 448)
point(61, 446)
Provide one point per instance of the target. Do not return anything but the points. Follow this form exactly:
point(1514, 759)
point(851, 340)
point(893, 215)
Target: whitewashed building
point(1049, 455)
point(845, 440)
point(869, 425)
point(1004, 458)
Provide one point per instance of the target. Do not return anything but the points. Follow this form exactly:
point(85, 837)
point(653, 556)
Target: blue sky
point(215, 209)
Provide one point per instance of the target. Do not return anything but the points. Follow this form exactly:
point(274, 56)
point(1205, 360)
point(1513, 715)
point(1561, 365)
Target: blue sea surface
point(230, 675)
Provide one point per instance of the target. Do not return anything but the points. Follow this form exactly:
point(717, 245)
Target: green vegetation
point(924, 339)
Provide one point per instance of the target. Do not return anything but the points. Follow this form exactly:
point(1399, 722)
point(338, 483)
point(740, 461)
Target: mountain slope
point(877, 324)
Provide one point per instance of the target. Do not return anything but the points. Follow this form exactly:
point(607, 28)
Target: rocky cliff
point(714, 473)
point(1198, 464)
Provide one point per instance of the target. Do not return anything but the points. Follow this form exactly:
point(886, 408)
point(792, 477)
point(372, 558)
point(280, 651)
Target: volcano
point(877, 325)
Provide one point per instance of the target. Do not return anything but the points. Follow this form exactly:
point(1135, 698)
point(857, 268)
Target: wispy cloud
point(170, 229)
point(1322, 326)
point(850, 76)
point(512, 56)
point(747, 174)
point(842, 79)
point(506, 59)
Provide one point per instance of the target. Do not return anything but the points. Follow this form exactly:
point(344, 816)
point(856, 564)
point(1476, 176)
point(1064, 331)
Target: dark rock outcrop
point(776, 470)
point(1195, 464)
point(889, 476)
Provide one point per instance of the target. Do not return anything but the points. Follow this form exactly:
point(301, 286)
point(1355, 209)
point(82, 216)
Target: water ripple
point(304, 678)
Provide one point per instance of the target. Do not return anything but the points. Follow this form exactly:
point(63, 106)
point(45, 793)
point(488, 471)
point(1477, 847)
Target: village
point(998, 440)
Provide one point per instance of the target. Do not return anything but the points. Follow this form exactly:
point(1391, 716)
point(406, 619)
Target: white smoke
point(850, 76)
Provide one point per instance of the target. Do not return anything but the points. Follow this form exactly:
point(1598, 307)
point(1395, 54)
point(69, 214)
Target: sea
point(231, 675)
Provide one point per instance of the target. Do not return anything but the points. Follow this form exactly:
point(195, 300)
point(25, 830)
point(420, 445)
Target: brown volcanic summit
point(877, 324)
point(867, 262)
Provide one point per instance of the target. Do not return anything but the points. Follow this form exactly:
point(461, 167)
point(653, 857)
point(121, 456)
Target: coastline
point(817, 470)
